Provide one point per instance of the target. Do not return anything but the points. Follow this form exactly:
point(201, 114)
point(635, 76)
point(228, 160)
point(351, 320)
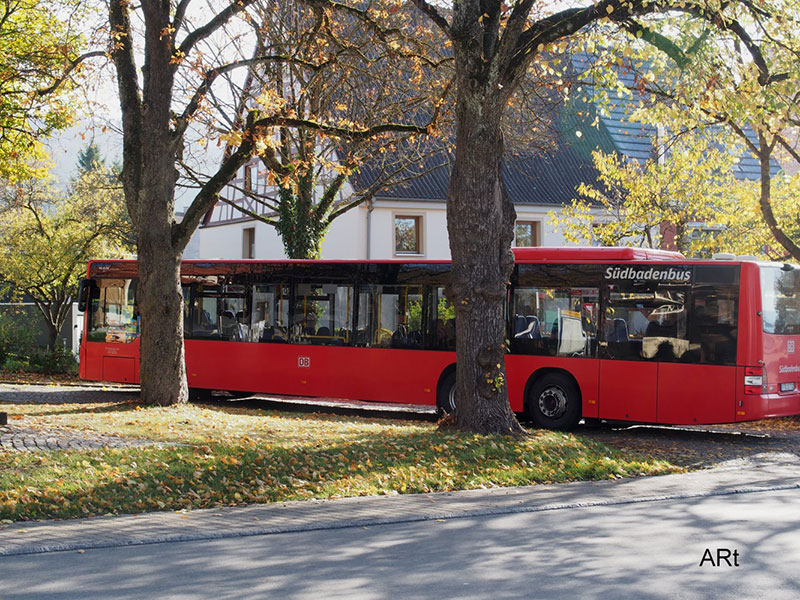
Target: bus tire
point(445, 394)
point(199, 394)
point(554, 402)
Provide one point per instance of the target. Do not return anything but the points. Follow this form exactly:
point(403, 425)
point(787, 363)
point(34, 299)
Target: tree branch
point(209, 28)
point(71, 67)
point(131, 103)
point(434, 15)
point(180, 14)
point(353, 134)
point(656, 40)
point(209, 192)
point(208, 79)
point(250, 213)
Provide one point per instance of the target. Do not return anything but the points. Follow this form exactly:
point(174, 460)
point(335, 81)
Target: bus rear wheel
point(199, 394)
point(446, 395)
point(554, 402)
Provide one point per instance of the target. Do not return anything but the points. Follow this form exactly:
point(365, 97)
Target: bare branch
point(180, 14)
point(248, 212)
point(434, 15)
point(182, 122)
point(209, 192)
point(784, 143)
point(213, 25)
point(131, 103)
point(71, 67)
point(347, 133)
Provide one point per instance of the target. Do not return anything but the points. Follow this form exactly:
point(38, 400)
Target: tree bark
point(52, 336)
point(149, 177)
point(480, 222)
point(162, 366)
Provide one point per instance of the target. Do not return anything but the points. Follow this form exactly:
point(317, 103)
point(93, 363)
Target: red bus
point(620, 334)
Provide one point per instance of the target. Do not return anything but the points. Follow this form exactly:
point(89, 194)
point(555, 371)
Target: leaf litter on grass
point(230, 455)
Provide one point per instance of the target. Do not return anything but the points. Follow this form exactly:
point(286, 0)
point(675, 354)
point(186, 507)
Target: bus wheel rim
point(553, 402)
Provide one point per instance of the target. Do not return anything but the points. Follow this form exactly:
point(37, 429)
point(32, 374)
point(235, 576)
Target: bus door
point(628, 384)
point(697, 368)
point(669, 345)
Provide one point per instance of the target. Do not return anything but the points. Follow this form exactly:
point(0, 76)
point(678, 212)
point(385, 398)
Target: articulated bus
point(618, 334)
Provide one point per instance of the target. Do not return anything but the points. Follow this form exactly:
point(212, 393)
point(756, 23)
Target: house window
point(249, 242)
point(526, 234)
point(407, 234)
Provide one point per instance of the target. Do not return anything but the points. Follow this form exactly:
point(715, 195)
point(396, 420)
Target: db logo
point(304, 362)
point(790, 346)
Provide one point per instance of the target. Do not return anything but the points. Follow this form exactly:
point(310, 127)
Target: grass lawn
point(227, 455)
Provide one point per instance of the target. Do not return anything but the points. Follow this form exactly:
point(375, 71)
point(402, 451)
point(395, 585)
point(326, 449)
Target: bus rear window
point(780, 300)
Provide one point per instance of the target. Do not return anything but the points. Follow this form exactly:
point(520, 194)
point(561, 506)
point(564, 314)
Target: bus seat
point(653, 329)
point(619, 331)
point(229, 325)
point(520, 325)
point(534, 331)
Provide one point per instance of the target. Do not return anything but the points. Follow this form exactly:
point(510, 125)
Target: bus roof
point(577, 254)
point(600, 254)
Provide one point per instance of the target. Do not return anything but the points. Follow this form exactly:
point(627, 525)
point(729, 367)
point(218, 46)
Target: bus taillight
point(754, 380)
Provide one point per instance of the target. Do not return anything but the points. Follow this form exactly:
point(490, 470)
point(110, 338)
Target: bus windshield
point(780, 301)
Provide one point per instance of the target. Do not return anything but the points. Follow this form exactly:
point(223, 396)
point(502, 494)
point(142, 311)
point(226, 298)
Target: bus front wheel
point(554, 402)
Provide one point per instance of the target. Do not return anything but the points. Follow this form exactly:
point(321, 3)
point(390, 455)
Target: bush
point(17, 334)
point(15, 364)
point(60, 361)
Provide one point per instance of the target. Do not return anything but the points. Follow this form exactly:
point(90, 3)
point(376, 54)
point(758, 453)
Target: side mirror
point(84, 288)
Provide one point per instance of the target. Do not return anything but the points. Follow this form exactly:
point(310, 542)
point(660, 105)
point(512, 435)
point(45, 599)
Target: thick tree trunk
point(153, 138)
point(480, 221)
point(163, 371)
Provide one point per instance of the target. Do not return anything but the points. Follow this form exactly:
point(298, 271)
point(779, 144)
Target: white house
point(409, 220)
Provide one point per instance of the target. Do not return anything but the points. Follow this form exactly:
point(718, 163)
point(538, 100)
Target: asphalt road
point(643, 550)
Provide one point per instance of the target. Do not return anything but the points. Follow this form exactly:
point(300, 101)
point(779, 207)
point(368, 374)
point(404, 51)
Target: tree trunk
point(480, 222)
point(52, 336)
point(159, 296)
point(54, 318)
point(162, 366)
point(765, 199)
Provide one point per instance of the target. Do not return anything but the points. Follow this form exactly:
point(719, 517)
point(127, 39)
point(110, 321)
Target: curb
point(300, 528)
point(764, 474)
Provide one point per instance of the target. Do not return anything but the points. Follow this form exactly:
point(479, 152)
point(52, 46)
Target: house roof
point(551, 178)
point(548, 178)
point(635, 140)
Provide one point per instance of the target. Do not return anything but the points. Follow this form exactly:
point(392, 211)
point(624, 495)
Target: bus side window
point(323, 314)
point(713, 325)
point(647, 320)
point(444, 325)
point(553, 321)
